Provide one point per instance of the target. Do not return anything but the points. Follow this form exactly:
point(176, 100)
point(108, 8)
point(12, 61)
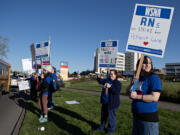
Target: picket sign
point(149, 29)
point(108, 54)
point(149, 32)
point(23, 85)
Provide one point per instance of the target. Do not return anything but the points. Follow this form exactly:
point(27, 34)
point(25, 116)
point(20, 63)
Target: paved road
point(161, 104)
point(11, 113)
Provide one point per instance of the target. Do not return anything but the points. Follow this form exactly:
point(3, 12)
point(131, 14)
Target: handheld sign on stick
point(149, 32)
point(108, 54)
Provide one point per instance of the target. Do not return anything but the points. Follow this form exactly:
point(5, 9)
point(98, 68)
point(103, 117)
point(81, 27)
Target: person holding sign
point(110, 105)
point(53, 76)
point(44, 88)
point(145, 99)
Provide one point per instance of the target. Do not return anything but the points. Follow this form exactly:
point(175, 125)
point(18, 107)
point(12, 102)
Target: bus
point(5, 70)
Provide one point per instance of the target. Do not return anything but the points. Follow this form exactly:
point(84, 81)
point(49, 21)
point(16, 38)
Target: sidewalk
point(161, 104)
point(12, 112)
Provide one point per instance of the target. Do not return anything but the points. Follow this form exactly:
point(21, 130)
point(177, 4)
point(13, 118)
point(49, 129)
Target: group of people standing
point(144, 100)
point(46, 85)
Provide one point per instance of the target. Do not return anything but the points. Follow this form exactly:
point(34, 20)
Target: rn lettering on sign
point(150, 12)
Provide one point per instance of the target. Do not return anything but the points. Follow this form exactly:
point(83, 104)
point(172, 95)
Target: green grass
point(93, 85)
point(82, 119)
point(171, 90)
point(86, 85)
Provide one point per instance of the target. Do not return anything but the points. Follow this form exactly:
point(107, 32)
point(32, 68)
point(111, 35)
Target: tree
point(86, 72)
point(3, 46)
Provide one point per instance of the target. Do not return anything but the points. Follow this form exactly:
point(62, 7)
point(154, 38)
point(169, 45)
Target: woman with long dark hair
point(145, 100)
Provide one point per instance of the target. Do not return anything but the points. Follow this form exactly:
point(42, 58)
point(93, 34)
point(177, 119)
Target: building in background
point(131, 59)
point(160, 71)
point(64, 70)
point(120, 62)
point(124, 62)
point(173, 69)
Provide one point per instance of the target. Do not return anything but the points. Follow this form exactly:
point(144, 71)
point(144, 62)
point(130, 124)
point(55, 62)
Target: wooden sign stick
point(42, 64)
point(133, 87)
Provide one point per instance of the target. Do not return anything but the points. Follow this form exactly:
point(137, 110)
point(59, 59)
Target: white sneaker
point(41, 117)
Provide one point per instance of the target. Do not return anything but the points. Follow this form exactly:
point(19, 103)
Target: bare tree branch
point(3, 46)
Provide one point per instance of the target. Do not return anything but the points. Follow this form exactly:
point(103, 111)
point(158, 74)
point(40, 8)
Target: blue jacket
point(146, 86)
point(54, 79)
point(45, 83)
point(114, 92)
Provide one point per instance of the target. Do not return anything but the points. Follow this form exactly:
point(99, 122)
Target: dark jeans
point(110, 114)
point(141, 127)
point(50, 100)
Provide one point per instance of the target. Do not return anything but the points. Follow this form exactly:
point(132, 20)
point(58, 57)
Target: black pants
point(33, 94)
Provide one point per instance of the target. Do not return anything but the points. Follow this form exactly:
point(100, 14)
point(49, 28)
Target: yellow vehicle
point(5, 70)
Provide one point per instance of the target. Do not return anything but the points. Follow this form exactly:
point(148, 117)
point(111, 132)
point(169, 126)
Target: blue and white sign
point(42, 50)
point(149, 29)
point(108, 54)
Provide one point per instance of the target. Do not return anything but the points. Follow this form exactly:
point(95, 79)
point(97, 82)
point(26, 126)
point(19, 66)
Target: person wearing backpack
point(110, 101)
point(53, 88)
point(44, 92)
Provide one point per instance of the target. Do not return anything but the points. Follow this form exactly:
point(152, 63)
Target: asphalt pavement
point(12, 111)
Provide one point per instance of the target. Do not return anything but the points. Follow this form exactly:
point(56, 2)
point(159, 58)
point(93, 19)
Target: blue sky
point(76, 28)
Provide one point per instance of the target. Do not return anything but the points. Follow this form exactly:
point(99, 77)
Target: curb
point(20, 120)
point(19, 123)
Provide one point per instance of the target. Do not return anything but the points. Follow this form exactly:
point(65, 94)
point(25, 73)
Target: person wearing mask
point(51, 104)
point(44, 92)
point(145, 100)
point(110, 105)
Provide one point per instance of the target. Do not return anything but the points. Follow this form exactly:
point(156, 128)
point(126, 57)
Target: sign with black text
point(149, 29)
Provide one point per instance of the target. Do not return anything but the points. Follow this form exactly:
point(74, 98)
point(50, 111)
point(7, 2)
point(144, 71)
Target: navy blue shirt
point(113, 91)
point(114, 94)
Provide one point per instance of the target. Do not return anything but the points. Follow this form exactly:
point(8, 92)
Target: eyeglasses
point(147, 63)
